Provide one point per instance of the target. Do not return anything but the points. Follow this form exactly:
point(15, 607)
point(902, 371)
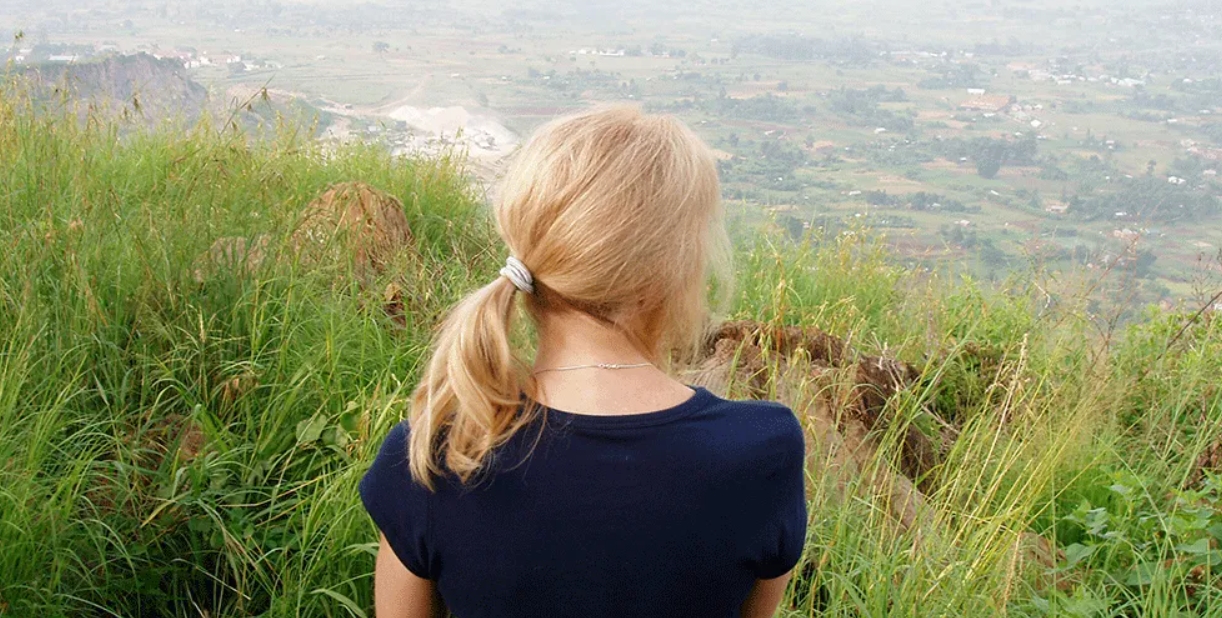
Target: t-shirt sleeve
point(398, 504)
point(786, 535)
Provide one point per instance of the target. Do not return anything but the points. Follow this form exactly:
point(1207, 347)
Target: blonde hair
point(617, 214)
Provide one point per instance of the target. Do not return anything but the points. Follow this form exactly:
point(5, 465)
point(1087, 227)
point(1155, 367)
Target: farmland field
point(816, 113)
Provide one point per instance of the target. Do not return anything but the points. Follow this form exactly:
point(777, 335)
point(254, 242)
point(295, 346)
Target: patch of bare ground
point(1027, 225)
point(893, 183)
point(751, 89)
point(1019, 172)
point(943, 164)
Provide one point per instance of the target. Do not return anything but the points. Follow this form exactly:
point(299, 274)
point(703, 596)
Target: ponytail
point(618, 215)
point(468, 401)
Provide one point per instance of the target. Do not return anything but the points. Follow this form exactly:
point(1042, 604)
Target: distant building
point(823, 147)
point(180, 55)
point(1056, 207)
point(987, 103)
point(586, 51)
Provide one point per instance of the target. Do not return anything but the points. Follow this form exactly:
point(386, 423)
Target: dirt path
point(407, 99)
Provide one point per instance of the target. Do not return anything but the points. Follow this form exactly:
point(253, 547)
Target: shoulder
point(764, 428)
point(398, 505)
point(754, 452)
point(397, 438)
point(392, 455)
point(390, 475)
point(761, 419)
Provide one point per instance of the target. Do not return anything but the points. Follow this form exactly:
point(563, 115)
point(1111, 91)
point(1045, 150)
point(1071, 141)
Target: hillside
point(140, 90)
point(187, 400)
point(137, 84)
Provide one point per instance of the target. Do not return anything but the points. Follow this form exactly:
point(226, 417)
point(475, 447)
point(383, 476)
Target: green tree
point(991, 254)
point(990, 159)
point(988, 167)
point(1145, 262)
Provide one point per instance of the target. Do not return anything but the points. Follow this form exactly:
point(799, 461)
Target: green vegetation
point(175, 446)
point(178, 442)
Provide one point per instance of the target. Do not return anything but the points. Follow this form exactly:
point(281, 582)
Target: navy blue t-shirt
point(670, 513)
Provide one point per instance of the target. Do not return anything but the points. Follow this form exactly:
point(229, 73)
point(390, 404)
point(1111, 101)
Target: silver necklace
point(596, 366)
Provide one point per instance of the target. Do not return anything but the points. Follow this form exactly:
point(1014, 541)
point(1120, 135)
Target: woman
point(589, 482)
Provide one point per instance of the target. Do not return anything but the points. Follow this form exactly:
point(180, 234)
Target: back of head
point(616, 214)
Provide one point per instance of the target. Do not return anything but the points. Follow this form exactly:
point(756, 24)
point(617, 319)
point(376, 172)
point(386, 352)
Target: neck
point(571, 339)
point(574, 338)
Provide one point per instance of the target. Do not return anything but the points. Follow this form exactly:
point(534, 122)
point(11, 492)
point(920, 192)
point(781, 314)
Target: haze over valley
point(1079, 141)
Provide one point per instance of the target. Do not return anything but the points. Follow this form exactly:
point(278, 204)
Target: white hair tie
point(517, 273)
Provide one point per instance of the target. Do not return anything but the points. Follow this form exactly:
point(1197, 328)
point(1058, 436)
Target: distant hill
point(139, 84)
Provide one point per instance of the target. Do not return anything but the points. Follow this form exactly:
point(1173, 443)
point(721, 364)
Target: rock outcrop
point(840, 395)
point(353, 224)
point(138, 86)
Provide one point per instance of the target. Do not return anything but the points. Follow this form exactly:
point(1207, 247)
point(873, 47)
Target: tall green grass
point(1063, 441)
point(114, 353)
point(172, 444)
